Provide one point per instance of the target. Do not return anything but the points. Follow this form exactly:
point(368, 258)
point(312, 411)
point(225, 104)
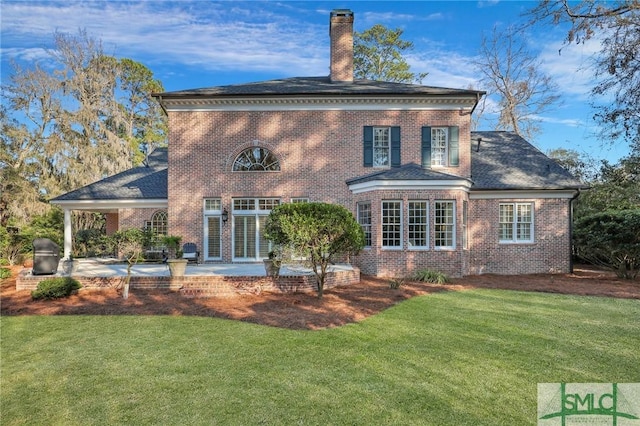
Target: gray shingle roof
point(409, 171)
point(319, 86)
point(138, 183)
point(504, 160)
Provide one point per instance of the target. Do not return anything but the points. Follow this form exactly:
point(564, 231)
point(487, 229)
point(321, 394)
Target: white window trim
point(373, 148)
point(299, 199)
point(370, 221)
point(255, 212)
point(514, 240)
point(454, 226)
point(206, 215)
point(392, 248)
point(446, 146)
point(419, 248)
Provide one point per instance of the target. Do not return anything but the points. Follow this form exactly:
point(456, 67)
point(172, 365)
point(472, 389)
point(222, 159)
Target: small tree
point(319, 231)
point(130, 244)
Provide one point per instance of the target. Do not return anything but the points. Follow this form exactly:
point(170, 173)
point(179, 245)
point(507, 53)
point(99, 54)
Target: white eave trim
point(523, 194)
point(319, 103)
point(157, 203)
point(408, 185)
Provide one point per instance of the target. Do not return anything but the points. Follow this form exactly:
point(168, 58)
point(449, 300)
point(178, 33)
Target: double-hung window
point(418, 224)
point(381, 146)
point(392, 224)
point(444, 222)
point(439, 146)
point(516, 222)
point(364, 219)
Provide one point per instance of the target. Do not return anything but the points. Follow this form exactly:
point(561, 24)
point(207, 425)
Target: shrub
point(611, 239)
point(430, 276)
point(4, 273)
point(53, 288)
point(395, 283)
point(319, 231)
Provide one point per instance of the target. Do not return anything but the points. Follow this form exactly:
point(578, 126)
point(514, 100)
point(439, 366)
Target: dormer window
point(256, 159)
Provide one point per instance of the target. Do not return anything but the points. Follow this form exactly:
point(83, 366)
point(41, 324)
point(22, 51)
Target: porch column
point(67, 234)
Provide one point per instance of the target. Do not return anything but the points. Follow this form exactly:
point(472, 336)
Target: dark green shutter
point(454, 146)
point(426, 147)
point(395, 147)
point(368, 146)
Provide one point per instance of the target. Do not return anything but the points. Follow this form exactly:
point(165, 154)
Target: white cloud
point(571, 66)
point(209, 35)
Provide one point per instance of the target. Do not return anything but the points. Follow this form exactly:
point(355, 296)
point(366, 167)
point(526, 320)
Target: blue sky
point(190, 44)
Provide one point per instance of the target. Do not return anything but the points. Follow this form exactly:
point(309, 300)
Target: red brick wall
point(404, 262)
point(206, 286)
point(550, 251)
point(318, 152)
point(134, 218)
point(111, 223)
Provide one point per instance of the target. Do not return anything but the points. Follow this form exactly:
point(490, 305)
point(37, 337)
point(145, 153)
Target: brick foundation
point(206, 285)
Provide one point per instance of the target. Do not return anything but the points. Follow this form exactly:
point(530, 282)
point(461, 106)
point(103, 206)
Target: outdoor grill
point(46, 255)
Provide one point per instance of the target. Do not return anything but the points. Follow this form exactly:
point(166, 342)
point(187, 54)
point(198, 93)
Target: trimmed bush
point(54, 288)
point(430, 276)
point(4, 273)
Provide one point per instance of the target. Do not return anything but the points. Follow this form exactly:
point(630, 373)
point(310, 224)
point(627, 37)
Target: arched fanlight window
point(256, 159)
point(158, 222)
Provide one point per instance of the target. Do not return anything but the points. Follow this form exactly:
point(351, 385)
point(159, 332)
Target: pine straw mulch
point(304, 310)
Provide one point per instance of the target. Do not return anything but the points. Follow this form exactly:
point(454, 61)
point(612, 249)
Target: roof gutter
point(478, 95)
point(571, 204)
point(159, 98)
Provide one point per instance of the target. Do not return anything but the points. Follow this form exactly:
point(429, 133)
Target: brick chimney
point(341, 33)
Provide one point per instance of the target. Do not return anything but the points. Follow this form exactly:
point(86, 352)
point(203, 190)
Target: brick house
point(428, 192)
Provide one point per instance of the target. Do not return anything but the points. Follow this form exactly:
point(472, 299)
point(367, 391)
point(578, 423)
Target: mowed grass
point(472, 357)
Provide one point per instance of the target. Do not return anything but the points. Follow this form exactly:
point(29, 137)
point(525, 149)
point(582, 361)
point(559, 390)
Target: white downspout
point(67, 234)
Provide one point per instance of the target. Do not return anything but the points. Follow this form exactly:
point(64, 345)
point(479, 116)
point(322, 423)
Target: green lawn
point(472, 357)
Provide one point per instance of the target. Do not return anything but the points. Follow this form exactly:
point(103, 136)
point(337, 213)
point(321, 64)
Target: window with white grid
point(213, 228)
point(418, 224)
point(158, 223)
point(516, 222)
point(392, 224)
point(256, 159)
point(444, 223)
point(439, 144)
point(364, 219)
point(381, 146)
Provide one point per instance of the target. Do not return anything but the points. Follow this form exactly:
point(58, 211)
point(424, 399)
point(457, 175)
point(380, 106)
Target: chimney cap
point(343, 13)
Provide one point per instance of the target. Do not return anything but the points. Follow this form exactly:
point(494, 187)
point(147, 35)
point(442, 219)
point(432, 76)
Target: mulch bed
point(339, 306)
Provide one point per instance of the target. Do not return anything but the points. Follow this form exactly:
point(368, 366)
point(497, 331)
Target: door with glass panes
point(249, 217)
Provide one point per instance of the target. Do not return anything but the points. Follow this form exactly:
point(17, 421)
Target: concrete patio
point(109, 267)
point(204, 280)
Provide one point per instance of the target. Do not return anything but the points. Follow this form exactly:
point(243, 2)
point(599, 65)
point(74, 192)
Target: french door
point(249, 218)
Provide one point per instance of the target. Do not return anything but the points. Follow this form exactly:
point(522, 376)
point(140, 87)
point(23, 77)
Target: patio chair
point(190, 252)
